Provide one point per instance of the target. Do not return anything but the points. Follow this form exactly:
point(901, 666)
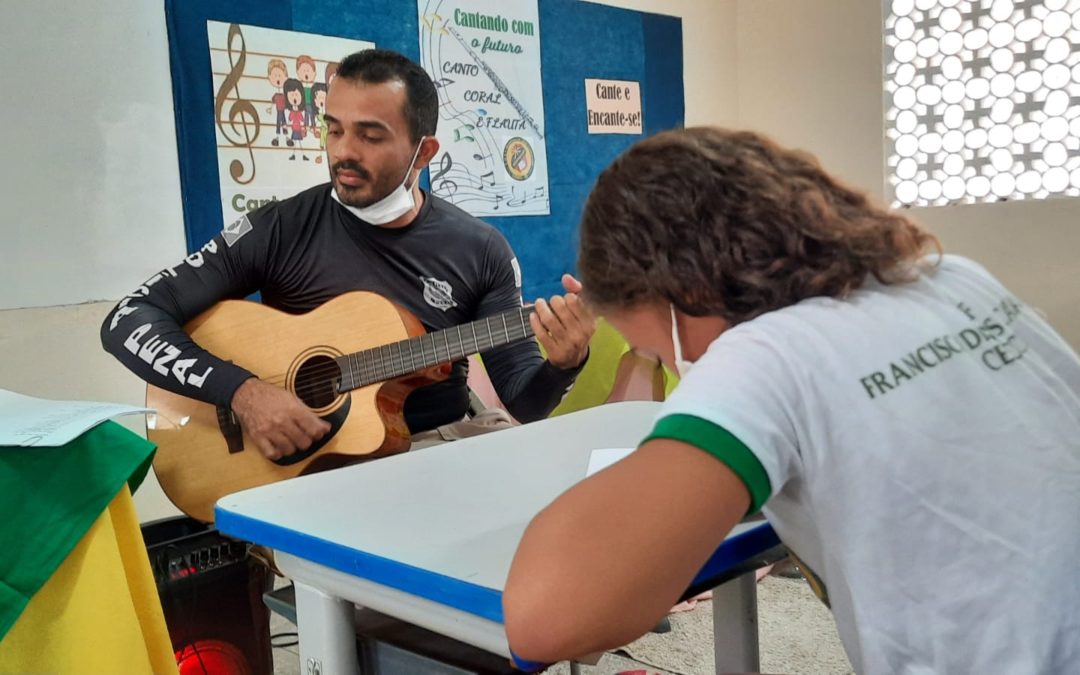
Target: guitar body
point(203, 453)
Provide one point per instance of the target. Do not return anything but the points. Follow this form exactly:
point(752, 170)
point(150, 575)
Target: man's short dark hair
point(375, 66)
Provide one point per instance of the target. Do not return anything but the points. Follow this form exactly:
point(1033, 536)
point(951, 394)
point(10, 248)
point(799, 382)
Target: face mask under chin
point(391, 207)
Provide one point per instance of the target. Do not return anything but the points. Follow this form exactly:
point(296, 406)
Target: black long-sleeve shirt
point(446, 267)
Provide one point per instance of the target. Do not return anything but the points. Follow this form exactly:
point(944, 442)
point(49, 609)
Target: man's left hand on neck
point(564, 325)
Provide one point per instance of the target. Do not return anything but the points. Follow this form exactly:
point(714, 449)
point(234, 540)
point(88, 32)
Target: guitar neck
point(405, 357)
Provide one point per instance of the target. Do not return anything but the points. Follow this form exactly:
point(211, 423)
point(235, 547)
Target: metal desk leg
point(327, 633)
point(735, 626)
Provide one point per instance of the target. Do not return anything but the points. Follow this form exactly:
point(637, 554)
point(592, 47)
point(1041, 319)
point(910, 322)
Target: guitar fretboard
point(397, 359)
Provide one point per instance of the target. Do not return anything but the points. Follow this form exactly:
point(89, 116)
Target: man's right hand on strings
point(275, 419)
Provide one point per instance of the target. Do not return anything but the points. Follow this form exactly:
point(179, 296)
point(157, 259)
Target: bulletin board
point(579, 41)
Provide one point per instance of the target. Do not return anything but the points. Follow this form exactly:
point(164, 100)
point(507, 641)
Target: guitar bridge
point(230, 429)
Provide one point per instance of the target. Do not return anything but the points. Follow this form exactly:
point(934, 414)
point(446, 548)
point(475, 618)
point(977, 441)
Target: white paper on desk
point(602, 458)
point(26, 421)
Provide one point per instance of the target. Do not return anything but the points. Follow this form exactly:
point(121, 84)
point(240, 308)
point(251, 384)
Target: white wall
point(90, 187)
point(810, 75)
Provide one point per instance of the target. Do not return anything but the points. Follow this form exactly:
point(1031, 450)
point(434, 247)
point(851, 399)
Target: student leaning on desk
point(910, 428)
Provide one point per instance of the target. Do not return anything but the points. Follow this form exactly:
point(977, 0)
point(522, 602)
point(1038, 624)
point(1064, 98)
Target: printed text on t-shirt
point(990, 340)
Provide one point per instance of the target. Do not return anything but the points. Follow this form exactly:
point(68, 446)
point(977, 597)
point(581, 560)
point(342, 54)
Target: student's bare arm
point(604, 562)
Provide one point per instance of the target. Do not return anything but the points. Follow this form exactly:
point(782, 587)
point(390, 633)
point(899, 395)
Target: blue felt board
point(579, 40)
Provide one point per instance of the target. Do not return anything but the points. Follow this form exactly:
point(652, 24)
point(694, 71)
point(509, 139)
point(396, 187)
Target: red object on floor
point(211, 657)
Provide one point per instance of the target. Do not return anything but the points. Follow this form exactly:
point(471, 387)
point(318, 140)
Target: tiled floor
point(286, 659)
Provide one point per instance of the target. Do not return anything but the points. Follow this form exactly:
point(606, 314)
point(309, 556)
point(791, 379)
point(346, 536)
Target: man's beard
point(350, 195)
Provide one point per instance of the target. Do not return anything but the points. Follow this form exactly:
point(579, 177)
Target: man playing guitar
point(370, 228)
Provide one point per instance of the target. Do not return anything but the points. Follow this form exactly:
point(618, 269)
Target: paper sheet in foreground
point(28, 422)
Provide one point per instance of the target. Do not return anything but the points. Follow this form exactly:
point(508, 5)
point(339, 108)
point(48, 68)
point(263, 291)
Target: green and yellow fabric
point(76, 591)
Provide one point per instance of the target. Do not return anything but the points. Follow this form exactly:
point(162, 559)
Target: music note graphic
point(490, 175)
point(446, 188)
point(445, 164)
point(467, 136)
point(514, 199)
point(239, 109)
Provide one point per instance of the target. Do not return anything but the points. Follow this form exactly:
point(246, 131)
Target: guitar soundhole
point(315, 380)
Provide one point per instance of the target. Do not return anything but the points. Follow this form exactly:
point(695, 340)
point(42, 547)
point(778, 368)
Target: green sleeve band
point(721, 444)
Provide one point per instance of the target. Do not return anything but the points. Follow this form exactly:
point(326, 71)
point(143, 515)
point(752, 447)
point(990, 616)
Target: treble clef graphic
point(445, 164)
point(241, 111)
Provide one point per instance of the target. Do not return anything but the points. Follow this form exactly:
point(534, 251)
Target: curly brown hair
point(729, 223)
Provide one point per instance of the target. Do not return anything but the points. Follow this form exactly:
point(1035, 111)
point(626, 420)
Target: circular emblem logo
point(519, 159)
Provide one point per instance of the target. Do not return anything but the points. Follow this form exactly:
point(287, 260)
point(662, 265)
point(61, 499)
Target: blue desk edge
point(462, 595)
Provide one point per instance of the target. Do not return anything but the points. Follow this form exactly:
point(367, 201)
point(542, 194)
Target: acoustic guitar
point(352, 361)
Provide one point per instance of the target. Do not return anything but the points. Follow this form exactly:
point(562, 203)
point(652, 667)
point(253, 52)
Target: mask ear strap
point(412, 164)
point(675, 341)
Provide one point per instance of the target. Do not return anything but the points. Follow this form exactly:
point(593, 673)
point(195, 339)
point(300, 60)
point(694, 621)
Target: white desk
point(427, 537)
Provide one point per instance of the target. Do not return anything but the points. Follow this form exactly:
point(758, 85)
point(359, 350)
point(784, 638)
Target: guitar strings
point(320, 376)
point(381, 367)
point(390, 361)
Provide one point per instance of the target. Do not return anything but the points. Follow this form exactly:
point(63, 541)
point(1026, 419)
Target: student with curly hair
point(909, 427)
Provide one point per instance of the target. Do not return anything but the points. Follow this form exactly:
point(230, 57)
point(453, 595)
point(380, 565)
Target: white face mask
point(391, 207)
point(682, 366)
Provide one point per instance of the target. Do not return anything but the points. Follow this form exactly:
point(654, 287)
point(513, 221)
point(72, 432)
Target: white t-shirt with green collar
point(918, 446)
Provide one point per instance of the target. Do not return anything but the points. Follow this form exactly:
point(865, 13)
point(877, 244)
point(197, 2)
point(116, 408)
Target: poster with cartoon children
point(269, 105)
